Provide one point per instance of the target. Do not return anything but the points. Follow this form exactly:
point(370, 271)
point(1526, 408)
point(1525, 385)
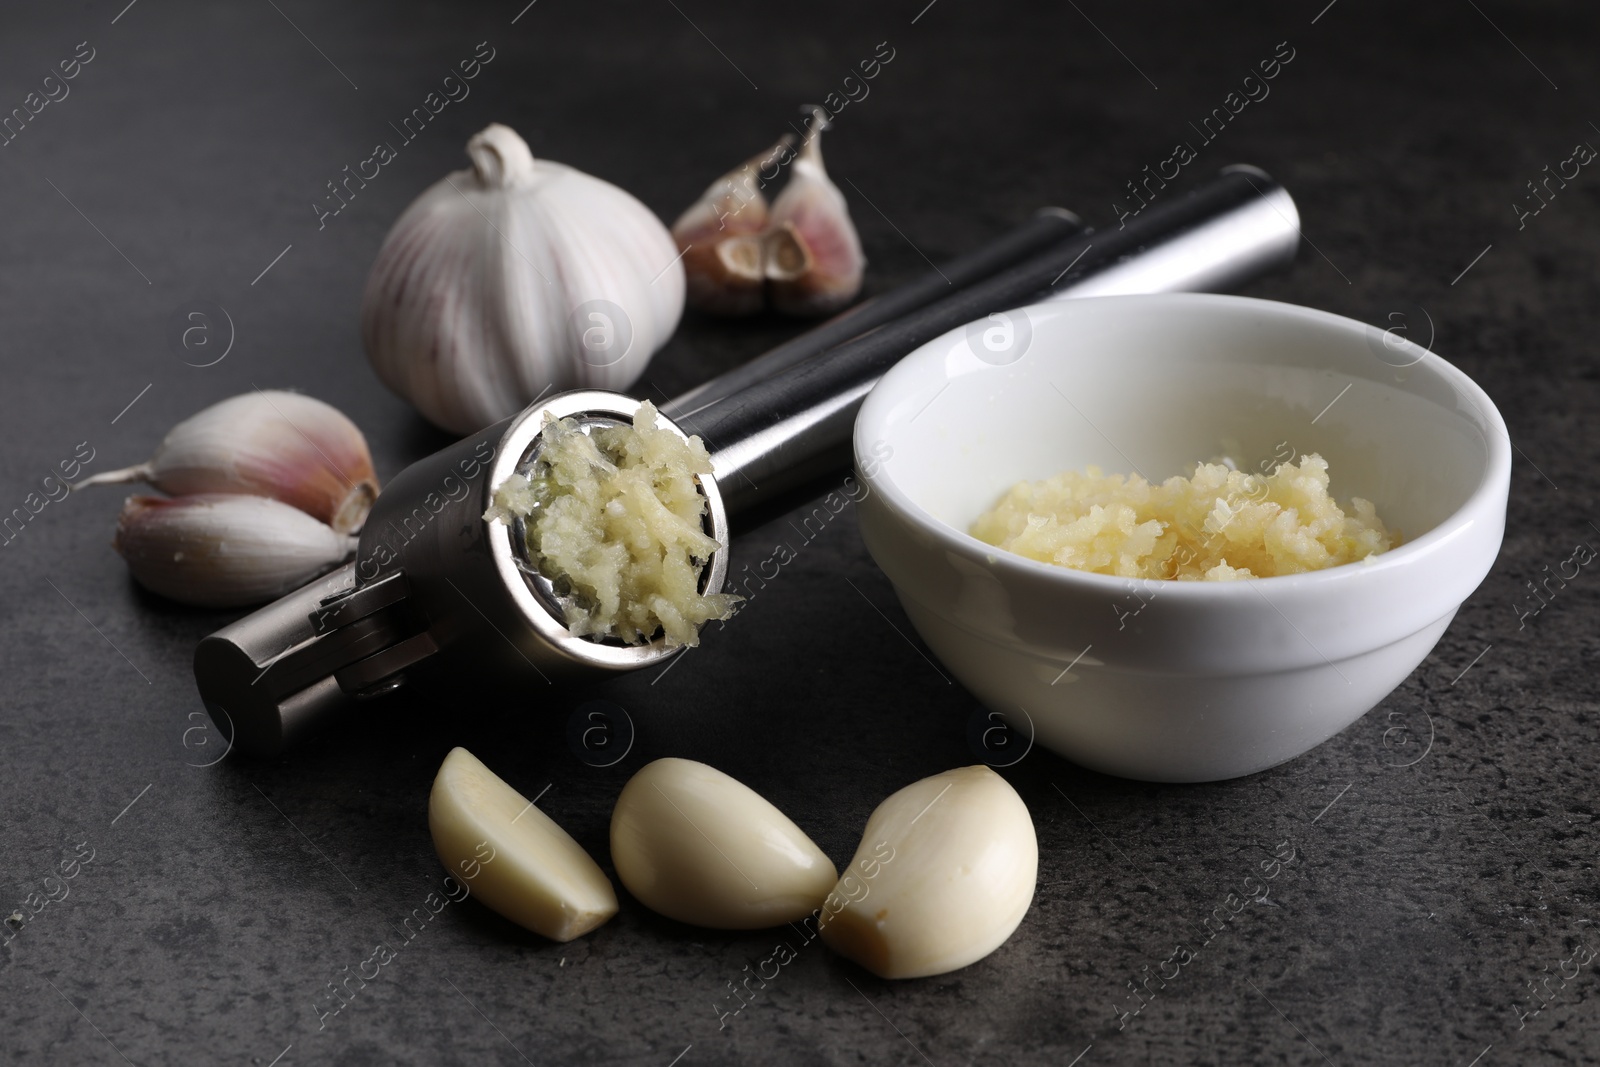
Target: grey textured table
point(1441, 890)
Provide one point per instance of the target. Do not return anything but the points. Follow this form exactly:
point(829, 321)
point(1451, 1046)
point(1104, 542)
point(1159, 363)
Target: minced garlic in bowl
point(1218, 525)
point(614, 518)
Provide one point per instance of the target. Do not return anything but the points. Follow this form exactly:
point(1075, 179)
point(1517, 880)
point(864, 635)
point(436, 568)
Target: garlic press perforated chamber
point(435, 590)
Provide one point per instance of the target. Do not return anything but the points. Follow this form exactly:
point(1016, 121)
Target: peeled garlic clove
point(700, 847)
point(269, 443)
point(722, 257)
point(516, 278)
point(813, 261)
point(220, 550)
point(511, 855)
point(944, 873)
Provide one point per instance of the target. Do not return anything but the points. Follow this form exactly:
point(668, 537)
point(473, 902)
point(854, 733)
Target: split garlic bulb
point(721, 236)
point(292, 448)
point(800, 256)
point(269, 442)
point(514, 278)
point(225, 550)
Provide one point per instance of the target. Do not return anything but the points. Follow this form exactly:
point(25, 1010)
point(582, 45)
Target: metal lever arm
point(795, 424)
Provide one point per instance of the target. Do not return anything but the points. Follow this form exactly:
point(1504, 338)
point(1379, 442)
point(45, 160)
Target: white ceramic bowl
point(1179, 681)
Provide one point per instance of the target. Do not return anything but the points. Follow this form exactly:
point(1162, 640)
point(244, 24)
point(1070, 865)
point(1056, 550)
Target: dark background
point(1426, 913)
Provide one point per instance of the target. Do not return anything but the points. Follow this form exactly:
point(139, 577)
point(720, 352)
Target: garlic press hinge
point(377, 632)
point(347, 606)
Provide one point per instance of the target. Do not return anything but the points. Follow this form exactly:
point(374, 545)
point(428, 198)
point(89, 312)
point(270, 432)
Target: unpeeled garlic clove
point(700, 847)
point(223, 550)
point(270, 443)
point(511, 855)
point(944, 873)
point(813, 258)
point(719, 237)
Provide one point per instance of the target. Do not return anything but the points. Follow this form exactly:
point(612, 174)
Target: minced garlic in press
point(614, 520)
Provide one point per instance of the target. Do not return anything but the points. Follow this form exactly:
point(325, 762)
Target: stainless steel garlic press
point(435, 588)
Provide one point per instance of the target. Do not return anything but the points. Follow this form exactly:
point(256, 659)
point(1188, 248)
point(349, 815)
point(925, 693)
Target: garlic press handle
point(774, 433)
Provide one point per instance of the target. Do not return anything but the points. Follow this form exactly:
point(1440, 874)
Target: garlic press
point(434, 589)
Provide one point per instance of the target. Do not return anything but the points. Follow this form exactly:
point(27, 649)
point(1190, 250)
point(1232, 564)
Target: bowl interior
point(1154, 384)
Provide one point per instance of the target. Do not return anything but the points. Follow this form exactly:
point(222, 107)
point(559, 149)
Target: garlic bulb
point(511, 855)
point(944, 873)
point(514, 278)
point(223, 550)
point(720, 235)
point(814, 262)
point(269, 443)
point(698, 846)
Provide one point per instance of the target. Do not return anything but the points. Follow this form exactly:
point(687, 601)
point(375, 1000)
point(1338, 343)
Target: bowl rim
point(1483, 502)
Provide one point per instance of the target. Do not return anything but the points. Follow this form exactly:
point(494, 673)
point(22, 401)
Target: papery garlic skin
point(723, 256)
point(223, 550)
point(516, 278)
point(944, 874)
point(512, 856)
point(699, 846)
point(814, 263)
point(286, 446)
